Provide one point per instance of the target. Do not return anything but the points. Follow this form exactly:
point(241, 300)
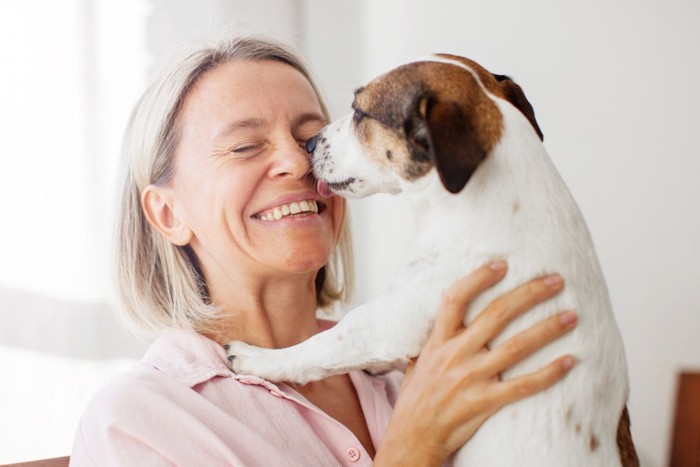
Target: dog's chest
point(506, 208)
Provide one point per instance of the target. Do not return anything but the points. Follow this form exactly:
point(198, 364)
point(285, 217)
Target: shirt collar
point(187, 356)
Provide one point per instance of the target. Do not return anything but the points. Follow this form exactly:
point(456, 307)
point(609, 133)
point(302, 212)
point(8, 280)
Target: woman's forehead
point(249, 91)
point(244, 80)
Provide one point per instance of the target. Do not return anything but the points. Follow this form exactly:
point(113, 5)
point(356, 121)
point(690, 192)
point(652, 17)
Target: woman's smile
point(300, 206)
point(294, 210)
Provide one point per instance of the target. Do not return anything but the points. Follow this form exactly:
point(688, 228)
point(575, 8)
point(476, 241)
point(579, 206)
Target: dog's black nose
point(311, 144)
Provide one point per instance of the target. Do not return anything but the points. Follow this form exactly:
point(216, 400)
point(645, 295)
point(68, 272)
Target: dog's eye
point(417, 133)
point(357, 116)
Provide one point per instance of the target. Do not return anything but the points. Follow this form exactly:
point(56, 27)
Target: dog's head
point(437, 113)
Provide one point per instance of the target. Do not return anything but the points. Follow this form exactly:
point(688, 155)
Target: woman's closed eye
point(246, 149)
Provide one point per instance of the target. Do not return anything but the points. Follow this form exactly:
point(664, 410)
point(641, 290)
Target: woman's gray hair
point(160, 284)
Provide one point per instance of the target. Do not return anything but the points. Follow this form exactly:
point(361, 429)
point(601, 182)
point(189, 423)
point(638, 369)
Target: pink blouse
point(181, 405)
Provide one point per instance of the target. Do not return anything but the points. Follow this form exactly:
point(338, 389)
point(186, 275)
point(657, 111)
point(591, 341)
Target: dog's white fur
point(574, 423)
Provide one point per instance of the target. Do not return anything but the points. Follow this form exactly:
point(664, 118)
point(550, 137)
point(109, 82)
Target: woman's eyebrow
point(245, 123)
point(310, 117)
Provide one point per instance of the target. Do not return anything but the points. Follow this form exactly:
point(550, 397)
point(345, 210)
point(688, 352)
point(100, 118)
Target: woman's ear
point(157, 205)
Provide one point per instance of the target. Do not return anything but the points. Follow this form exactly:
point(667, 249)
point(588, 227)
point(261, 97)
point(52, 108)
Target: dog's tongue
point(323, 189)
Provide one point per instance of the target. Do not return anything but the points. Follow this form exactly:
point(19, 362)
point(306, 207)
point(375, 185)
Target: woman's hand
point(454, 385)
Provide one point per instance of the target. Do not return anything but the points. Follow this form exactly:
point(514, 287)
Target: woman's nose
point(291, 160)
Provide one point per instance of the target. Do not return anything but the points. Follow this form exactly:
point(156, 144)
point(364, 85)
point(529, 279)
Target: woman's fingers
point(504, 309)
point(529, 341)
point(512, 390)
point(450, 317)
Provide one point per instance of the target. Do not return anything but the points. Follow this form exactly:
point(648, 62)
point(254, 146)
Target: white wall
point(175, 23)
point(614, 86)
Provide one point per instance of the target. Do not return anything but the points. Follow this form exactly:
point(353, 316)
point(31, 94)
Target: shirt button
point(353, 455)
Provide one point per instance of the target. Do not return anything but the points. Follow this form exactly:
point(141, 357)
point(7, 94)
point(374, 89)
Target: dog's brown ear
point(516, 96)
point(452, 142)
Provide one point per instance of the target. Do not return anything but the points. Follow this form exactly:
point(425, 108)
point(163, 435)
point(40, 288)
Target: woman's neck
point(273, 313)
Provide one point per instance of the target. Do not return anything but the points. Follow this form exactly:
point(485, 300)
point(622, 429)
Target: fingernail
point(553, 281)
point(498, 265)
point(567, 363)
point(568, 318)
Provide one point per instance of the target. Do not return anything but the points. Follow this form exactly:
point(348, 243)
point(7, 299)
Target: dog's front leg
point(377, 336)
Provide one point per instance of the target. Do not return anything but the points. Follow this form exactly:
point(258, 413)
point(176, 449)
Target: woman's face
point(242, 172)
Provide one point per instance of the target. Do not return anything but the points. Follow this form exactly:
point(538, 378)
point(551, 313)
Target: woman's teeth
point(289, 210)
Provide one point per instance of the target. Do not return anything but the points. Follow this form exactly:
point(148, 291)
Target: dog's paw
point(269, 364)
point(275, 365)
point(245, 359)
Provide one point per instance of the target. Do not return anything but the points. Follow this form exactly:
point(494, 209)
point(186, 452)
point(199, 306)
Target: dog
point(464, 146)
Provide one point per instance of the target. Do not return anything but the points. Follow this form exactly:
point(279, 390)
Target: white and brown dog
point(464, 146)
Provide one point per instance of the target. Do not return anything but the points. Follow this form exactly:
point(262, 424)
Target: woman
point(214, 148)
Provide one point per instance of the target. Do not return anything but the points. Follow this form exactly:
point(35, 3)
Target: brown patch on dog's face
point(387, 146)
point(382, 110)
point(424, 115)
point(431, 114)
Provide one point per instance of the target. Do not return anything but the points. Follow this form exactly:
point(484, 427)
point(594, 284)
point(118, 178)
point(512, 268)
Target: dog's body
point(426, 129)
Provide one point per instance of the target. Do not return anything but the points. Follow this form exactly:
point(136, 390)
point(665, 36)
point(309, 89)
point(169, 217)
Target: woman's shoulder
point(145, 412)
point(173, 364)
point(128, 393)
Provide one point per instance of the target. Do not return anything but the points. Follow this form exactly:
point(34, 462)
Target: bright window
point(71, 71)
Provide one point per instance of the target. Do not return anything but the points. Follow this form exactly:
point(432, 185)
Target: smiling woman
point(229, 133)
point(253, 169)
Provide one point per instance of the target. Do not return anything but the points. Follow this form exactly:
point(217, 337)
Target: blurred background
point(614, 84)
